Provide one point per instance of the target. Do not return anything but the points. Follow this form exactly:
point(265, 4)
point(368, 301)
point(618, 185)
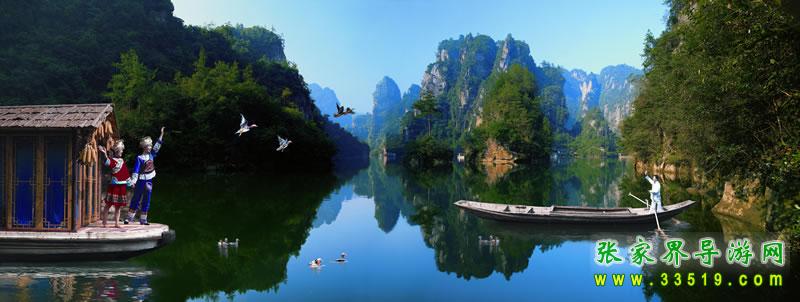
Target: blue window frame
point(55, 182)
point(24, 181)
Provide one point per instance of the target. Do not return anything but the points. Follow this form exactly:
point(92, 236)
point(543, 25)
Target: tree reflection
point(453, 234)
point(271, 215)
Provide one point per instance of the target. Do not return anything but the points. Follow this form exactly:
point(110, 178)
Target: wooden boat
point(89, 243)
point(570, 214)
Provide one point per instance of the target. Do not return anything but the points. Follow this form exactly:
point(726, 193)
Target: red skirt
point(116, 195)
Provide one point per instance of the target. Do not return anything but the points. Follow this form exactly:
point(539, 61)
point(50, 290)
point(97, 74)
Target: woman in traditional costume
point(116, 194)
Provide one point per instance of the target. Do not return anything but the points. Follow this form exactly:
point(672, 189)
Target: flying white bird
point(243, 126)
point(282, 143)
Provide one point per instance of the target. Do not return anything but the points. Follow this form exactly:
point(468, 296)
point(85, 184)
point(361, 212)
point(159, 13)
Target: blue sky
point(349, 45)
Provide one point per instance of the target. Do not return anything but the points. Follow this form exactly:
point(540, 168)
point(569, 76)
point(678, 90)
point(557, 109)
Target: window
point(24, 182)
point(55, 182)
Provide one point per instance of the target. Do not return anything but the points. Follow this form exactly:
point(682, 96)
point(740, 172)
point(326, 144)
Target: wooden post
point(70, 222)
point(98, 181)
point(81, 193)
point(93, 186)
point(38, 212)
point(9, 180)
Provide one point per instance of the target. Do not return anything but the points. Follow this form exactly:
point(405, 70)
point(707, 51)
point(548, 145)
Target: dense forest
point(512, 115)
point(158, 71)
point(721, 92)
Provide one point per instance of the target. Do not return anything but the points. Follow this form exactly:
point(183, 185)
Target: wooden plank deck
point(94, 231)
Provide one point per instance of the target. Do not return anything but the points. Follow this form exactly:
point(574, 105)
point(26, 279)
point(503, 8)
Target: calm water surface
point(403, 237)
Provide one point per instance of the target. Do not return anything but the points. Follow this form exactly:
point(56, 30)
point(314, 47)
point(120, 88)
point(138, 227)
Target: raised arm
point(107, 162)
point(648, 179)
point(157, 145)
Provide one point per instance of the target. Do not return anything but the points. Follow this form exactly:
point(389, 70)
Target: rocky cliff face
point(582, 92)
point(386, 110)
point(496, 153)
point(457, 75)
point(410, 96)
point(463, 68)
point(742, 200)
point(620, 85)
point(613, 90)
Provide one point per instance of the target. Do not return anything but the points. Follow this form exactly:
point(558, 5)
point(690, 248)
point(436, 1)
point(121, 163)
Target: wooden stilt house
point(50, 169)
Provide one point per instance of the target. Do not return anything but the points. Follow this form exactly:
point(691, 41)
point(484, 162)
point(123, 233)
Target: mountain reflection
point(275, 215)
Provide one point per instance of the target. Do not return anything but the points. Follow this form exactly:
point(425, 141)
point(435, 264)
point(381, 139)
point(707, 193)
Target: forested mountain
point(193, 80)
point(721, 92)
point(389, 106)
point(464, 72)
point(386, 110)
point(595, 136)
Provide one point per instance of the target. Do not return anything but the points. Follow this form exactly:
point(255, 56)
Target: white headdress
point(145, 142)
point(118, 146)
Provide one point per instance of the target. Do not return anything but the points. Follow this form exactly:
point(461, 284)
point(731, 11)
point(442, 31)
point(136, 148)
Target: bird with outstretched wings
point(282, 144)
point(243, 126)
point(340, 110)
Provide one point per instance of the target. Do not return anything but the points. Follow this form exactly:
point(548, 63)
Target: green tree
point(426, 106)
point(203, 108)
point(596, 138)
point(721, 92)
point(512, 115)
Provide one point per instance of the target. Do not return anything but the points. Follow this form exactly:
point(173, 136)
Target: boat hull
point(569, 215)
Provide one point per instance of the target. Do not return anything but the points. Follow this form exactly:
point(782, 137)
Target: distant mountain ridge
point(458, 79)
point(613, 91)
point(372, 127)
point(326, 100)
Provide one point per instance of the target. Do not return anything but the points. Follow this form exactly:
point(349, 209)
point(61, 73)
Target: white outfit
point(655, 194)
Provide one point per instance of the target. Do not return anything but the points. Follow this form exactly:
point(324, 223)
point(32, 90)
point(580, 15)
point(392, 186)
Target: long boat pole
point(655, 212)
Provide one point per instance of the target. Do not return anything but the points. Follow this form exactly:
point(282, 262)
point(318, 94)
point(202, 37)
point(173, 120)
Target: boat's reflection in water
point(74, 282)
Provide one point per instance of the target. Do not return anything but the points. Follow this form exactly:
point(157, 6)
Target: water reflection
point(453, 234)
point(404, 238)
point(74, 282)
point(270, 215)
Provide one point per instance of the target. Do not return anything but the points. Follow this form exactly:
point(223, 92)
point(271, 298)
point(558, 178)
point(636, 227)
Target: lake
point(404, 240)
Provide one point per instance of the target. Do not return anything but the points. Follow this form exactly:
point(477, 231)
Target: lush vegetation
point(193, 80)
point(426, 106)
point(427, 152)
point(204, 108)
point(722, 92)
point(465, 80)
point(595, 138)
point(512, 115)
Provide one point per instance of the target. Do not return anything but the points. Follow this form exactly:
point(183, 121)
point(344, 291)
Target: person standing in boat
point(116, 193)
point(142, 178)
point(655, 193)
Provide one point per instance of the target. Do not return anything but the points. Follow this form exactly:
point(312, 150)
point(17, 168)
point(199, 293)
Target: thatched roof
point(54, 116)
